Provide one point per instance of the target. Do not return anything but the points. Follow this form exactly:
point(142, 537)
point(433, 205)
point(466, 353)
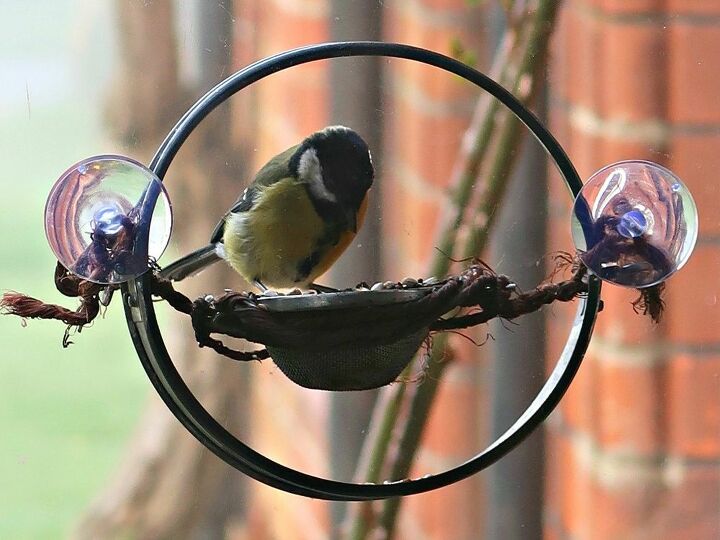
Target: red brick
point(628, 416)
point(595, 70)
point(284, 123)
point(287, 412)
point(552, 532)
point(587, 155)
point(453, 428)
point(559, 241)
point(633, 82)
point(439, 34)
point(590, 507)
point(689, 507)
point(429, 144)
point(696, 160)
point(446, 6)
point(619, 324)
point(694, 7)
point(580, 405)
point(437, 86)
point(411, 220)
point(599, 141)
point(420, 19)
point(559, 207)
point(552, 526)
point(666, 502)
point(694, 73)
point(579, 51)
point(552, 472)
point(558, 71)
point(692, 312)
point(451, 512)
point(559, 320)
point(623, 512)
point(693, 406)
point(471, 359)
point(412, 23)
point(284, 28)
point(683, 506)
point(293, 517)
point(575, 504)
point(649, 149)
point(257, 525)
point(246, 33)
point(559, 126)
point(616, 7)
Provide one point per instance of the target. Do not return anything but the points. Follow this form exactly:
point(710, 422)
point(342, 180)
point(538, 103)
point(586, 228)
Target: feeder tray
point(361, 339)
point(354, 366)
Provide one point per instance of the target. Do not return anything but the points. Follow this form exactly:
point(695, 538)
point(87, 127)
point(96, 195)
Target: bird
point(298, 215)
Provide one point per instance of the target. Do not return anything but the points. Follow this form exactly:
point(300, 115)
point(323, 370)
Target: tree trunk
point(168, 485)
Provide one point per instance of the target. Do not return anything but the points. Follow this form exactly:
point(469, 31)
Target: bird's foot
point(259, 285)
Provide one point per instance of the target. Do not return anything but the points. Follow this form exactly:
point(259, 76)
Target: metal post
point(515, 483)
point(355, 102)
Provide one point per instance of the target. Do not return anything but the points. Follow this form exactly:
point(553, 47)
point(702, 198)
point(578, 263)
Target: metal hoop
point(140, 313)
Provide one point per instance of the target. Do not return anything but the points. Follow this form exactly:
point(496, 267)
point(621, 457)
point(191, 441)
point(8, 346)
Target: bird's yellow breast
point(269, 241)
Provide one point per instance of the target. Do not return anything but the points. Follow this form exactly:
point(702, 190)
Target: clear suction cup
point(635, 223)
point(106, 217)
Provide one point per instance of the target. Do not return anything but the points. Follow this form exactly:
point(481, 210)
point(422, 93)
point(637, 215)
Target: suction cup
point(635, 223)
point(107, 217)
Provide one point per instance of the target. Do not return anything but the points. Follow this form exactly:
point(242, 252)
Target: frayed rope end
point(27, 307)
point(651, 302)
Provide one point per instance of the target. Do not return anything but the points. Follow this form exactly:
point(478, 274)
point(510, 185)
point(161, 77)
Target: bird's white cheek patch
point(310, 171)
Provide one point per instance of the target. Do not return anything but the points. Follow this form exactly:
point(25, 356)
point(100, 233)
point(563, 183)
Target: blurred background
point(633, 451)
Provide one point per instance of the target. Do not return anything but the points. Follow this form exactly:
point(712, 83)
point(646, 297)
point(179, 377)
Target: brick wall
point(635, 450)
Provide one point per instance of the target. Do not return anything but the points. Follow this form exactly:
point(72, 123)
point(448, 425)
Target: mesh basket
point(354, 368)
point(347, 366)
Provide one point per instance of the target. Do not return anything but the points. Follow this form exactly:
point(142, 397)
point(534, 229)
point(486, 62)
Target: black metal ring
point(164, 376)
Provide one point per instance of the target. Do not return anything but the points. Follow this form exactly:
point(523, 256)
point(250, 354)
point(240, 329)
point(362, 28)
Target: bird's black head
point(336, 165)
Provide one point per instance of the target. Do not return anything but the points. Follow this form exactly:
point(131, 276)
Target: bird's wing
point(273, 171)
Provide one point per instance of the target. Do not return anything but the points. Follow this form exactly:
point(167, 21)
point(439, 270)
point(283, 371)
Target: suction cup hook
point(106, 217)
point(635, 223)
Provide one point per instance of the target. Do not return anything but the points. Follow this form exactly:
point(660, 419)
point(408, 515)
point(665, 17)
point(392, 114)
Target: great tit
point(297, 216)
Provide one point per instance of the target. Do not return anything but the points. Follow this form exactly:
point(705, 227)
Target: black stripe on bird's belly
point(306, 266)
point(322, 248)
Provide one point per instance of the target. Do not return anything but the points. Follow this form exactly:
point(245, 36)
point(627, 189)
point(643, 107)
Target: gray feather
point(190, 264)
point(273, 171)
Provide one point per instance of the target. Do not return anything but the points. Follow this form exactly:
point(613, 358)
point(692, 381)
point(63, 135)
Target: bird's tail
point(191, 264)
